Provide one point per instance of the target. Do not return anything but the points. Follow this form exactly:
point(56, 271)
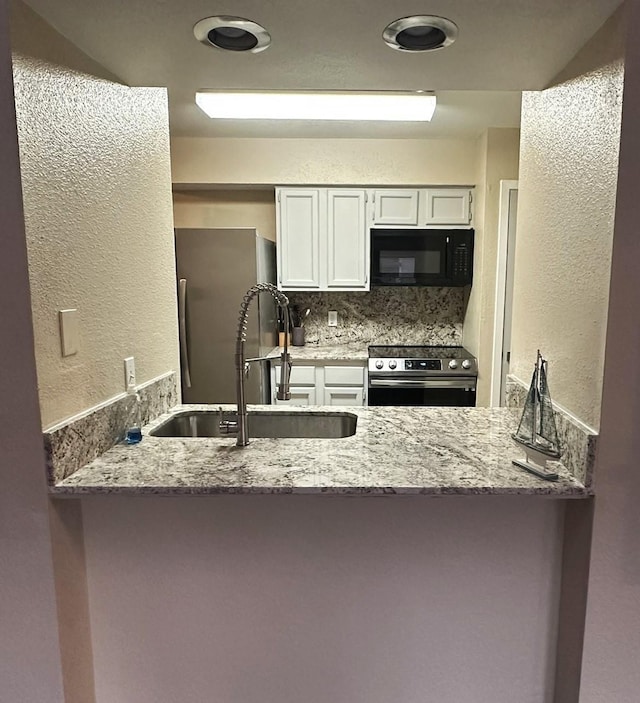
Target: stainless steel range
point(422, 375)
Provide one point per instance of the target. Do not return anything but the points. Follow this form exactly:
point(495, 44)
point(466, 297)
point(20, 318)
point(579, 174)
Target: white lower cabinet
point(322, 384)
point(343, 396)
point(299, 396)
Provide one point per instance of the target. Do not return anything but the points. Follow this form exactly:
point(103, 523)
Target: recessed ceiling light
point(420, 33)
point(389, 106)
point(232, 34)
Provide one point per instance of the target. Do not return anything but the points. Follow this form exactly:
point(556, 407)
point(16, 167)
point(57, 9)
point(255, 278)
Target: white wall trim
point(104, 404)
point(587, 429)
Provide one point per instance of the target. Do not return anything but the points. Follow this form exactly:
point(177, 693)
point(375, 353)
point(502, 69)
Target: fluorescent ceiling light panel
point(266, 105)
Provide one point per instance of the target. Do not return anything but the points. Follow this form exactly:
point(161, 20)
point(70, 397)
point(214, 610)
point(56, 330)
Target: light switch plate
point(333, 318)
point(68, 331)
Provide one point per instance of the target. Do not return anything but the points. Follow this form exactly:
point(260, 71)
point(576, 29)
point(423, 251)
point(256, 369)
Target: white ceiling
point(503, 47)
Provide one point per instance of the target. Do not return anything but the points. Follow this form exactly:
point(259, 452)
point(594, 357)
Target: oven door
point(443, 391)
point(408, 258)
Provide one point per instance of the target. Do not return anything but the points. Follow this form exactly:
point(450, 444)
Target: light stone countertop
point(395, 451)
point(314, 352)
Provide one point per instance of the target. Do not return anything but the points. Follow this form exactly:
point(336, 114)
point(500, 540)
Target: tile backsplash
point(389, 315)
point(79, 440)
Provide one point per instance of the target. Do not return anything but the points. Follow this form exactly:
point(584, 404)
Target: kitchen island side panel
point(265, 598)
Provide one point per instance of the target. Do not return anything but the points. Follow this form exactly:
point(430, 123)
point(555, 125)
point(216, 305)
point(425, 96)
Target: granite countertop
point(395, 451)
point(337, 352)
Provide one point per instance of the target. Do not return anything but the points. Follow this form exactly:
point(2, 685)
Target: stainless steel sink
point(319, 425)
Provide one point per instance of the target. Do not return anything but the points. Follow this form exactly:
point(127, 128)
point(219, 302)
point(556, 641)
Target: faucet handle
point(284, 389)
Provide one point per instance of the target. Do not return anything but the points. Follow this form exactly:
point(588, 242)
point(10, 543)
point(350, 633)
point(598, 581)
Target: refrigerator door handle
point(182, 320)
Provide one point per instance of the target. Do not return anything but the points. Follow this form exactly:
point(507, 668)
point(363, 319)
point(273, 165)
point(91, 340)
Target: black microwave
point(421, 257)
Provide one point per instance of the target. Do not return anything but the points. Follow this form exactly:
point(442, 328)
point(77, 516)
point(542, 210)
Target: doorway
point(504, 290)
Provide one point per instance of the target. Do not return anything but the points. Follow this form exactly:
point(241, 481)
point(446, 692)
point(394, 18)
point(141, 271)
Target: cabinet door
point(448, 206)
point(344, 375)
point(343, 396)
point(298, 239)
point(347, 241)
point(395, 207)
point(300, 395)
point(300, 375)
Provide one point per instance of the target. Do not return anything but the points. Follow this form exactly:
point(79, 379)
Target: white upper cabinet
point(347, 240)
point(298, 223)
point(322, 239)
point(448, 206)
point(421, 207)
point(396, 207)
point(343, 396)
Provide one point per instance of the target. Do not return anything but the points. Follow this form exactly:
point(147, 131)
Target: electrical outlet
point(333, 318)
point(69, 331)
point(130, 374)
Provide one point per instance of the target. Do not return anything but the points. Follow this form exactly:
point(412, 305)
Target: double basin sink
point(261, 424)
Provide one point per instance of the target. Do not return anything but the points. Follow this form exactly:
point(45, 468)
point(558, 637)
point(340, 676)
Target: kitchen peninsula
point(394, 451)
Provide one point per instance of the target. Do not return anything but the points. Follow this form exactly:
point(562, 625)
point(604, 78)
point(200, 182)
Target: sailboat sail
point(537, 429)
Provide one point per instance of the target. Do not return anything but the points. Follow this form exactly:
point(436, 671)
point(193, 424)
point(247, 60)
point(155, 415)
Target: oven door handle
point(462, 382)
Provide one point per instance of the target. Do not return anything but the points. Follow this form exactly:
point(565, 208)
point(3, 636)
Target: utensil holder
point(297, 337)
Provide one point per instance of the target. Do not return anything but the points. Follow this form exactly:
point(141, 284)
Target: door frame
point(506, 188)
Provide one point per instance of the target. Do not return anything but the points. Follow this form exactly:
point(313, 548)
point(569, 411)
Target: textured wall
point(29, 647)
point(98, 212)
point(226, 208)
point(568, 175)
point(610, 672)
point(324, 161)
point(498, 158)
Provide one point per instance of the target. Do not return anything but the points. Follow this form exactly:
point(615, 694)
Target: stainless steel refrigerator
point(215, 269)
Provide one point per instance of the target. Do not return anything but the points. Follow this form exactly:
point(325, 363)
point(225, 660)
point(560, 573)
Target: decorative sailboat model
point(537, 433)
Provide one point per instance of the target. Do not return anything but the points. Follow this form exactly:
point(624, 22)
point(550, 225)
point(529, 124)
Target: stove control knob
point(453, 364)
point(379, 364)
point(466, 364)
point(392, 364)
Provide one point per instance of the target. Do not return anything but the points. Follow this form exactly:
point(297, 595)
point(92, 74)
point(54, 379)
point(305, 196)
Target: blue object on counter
point(133, 435)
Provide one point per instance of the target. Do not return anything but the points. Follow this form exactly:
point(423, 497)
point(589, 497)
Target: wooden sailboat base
point(536, 470)
point(536, 463)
